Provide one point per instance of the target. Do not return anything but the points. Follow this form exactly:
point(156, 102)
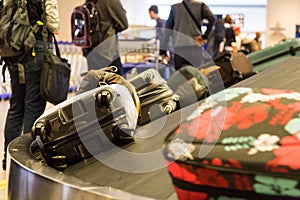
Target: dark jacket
point(229, 35)
point(35, 13)
point(180, 21)
point(160, 24)
point(113, 17)
point(113, 20)
point(215, 38)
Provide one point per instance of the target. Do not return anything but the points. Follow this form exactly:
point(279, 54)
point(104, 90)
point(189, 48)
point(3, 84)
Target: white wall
point(283, 15)
point(137, 11)
point(260, 15)
point(253, 10)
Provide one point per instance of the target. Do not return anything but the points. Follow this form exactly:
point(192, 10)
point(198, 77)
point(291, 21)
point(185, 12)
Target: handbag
point(55, 72)
point(198, 39)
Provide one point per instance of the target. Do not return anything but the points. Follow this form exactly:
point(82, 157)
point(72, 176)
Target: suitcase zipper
point(187, 186)
point(234, 170)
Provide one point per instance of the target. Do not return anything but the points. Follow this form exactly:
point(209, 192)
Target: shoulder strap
point(45, 34)
point(192, 16)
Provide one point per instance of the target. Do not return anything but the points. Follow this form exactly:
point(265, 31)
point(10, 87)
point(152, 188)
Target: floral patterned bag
point(241, 143)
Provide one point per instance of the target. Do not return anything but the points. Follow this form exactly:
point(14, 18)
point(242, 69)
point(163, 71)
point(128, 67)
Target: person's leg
point(96, 61)
point(34, 103)
point(15, 114)
point(179, 61)
point(194, 56)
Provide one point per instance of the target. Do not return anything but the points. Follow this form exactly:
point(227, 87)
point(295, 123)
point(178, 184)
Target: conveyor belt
point(147, 174)
point(136, 172)
point(284, 75)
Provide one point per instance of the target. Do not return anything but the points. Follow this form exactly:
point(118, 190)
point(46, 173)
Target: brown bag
point(199, 40)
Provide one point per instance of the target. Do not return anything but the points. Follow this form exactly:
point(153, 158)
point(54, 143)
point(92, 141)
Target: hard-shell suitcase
point(106, 76)
point(241, 143)
point(269, 56)
point(156, 97)
point(86, 125)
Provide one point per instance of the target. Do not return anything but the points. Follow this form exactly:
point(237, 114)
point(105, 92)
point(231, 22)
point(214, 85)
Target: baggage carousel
point(135, 171)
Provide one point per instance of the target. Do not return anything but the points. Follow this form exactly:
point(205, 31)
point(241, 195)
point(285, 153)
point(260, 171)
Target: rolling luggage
point(269, 56)
point(241, 63)
point(86, 125)
point(106, 76)
point(224, 76)
point(241, 143)
point(234, 67)
point(189, 84)
point(156, 97)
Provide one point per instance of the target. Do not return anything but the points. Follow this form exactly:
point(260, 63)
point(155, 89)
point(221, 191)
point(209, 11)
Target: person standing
point(113, 20)
point(215, 39)
point(256, 43)
point(183, 29)
point(230, 42)
point(160, 23)
point(26, 103)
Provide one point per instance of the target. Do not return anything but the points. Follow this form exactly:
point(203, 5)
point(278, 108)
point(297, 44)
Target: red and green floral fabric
point(241, 143)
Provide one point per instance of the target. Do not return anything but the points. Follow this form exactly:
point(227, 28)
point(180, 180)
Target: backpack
point(85, 24)
point(16, 34)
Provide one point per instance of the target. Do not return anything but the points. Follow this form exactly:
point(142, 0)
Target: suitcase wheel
point(171, 105)
point(103, 98)
point(39, 129)
point(59, 162)
point(121, 135)
point(168, 109)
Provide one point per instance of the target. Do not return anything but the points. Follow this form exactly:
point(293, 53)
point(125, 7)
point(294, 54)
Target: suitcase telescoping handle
point(102, 98)
point(66, 118)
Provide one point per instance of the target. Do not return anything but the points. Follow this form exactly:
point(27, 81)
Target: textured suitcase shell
point(85, 125)
point(82, 109)
point(156, 97)
point(240, 143)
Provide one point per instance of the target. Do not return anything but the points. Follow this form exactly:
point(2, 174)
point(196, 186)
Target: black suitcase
point(85, 125)
point(234, 67)
point(156, 97)
point(189, 84)
point(224, 76)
